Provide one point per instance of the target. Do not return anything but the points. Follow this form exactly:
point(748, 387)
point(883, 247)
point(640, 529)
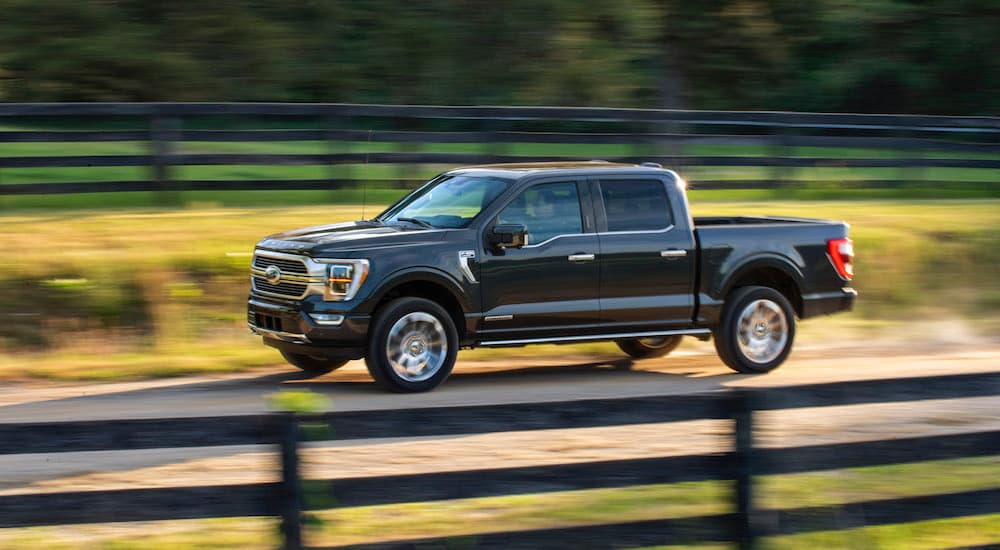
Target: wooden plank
point(618, 535)
point(214, 159)
point(369, 491)
point(854, 515)
point(65, 136)
point(840, 456)
point(155, 504)
point(880, 391)
point(105, 435)
point(735, 118)
point(595, 138)
point(201, 185)
point(472, 419)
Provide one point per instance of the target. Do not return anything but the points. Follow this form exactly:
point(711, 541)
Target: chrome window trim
point(641, 232)
point(546, 241)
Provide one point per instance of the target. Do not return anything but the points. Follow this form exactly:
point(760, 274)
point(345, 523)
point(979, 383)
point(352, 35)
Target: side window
point(546, 210)
point(636, 205)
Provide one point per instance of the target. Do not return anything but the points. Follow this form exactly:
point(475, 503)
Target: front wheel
point(413, 345)
point(651, 346)
point(312, 364)
point(757, 330)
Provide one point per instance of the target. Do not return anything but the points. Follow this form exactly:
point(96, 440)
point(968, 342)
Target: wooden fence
point(743, 525)
point(915, 142)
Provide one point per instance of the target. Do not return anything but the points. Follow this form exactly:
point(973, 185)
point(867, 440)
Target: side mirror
point(509, 235)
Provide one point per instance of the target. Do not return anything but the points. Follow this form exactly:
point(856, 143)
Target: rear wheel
point(651, 346)
point(757, 330)
point(413, 345)
point(313, 364)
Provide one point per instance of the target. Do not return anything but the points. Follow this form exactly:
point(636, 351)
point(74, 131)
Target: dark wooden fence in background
point(743, 525)
point(916, 142)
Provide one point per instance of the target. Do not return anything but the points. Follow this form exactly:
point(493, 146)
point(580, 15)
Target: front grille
point(294, 267)
point(291, 290)
point(284, 289)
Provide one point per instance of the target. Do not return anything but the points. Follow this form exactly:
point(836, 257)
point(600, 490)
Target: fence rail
point(744, 525)
point(349, 130)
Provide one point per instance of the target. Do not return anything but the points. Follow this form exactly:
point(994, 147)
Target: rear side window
point(636, 205)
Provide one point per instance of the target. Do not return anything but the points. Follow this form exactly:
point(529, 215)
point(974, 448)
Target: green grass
point(161, 292)
point(461, 519)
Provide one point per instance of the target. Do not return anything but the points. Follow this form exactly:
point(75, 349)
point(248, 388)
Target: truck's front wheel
point(756, 331)
point(412, 346)
point(313, 365)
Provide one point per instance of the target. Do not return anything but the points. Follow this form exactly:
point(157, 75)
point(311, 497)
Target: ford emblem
point(273, 274)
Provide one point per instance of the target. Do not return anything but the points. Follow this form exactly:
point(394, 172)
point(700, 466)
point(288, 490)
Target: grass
point(461, 519)
point(130, 293)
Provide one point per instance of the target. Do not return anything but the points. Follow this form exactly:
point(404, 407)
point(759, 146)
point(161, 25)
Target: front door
point(549, 287)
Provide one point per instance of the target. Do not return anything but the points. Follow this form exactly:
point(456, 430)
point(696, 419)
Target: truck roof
point(518, 170)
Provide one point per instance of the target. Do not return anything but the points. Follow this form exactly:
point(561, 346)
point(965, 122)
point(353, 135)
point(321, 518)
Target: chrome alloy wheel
point(762, 331)
point(417, 346)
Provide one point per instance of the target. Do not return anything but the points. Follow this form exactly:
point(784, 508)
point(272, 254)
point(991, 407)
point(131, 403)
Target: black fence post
point(162, 135)
point(741, 409)
point(291, 488)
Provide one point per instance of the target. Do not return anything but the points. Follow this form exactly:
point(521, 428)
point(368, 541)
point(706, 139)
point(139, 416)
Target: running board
point(522, 341)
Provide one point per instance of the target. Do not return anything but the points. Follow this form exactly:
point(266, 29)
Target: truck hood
point(349, 236)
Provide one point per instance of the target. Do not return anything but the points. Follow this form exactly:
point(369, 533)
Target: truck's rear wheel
point(756, 331)
point(313, 365)
point(650, 346)
point(412, 346)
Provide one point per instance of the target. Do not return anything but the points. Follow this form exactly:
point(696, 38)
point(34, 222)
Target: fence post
point(291, 489)
point(162, 135)
point(741, 409)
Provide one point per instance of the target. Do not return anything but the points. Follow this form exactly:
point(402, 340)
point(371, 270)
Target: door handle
point(581, 257)
point(673, 253)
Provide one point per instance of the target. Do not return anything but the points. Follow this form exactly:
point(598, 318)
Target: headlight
point(344, 278)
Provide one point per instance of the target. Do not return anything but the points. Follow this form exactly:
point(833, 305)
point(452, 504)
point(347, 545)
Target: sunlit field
point(143, 292)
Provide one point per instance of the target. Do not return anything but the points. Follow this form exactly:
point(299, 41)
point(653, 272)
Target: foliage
point(828, 55)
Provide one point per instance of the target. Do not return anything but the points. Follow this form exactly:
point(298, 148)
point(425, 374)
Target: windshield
point(451, 201)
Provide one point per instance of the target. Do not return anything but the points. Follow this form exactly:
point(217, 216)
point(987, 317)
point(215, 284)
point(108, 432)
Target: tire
point(757, 330)
point(653, 346)
point(412, 346)
point(312, 364)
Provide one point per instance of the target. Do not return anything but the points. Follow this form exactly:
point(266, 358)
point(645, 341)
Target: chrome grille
point(291, 290)
point(295, 267)
point(285, 289)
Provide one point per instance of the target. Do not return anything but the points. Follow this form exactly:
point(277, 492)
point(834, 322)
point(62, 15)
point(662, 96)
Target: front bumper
point(825, 303)
point(288, 327)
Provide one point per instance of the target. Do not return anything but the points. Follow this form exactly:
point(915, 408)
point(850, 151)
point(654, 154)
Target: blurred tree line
point(823, 55)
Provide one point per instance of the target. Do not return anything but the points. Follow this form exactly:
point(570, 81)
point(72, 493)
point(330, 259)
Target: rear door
point(647, 252)
point(549, 287)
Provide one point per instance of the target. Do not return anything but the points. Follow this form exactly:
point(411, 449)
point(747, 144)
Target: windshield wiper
point(421, 223)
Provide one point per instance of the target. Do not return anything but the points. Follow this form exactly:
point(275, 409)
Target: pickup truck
point(517, 254)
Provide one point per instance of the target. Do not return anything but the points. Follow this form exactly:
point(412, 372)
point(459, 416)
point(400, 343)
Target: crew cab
point(517, 254)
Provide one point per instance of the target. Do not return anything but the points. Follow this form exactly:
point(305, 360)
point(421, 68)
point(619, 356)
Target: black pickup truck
point(516, 254)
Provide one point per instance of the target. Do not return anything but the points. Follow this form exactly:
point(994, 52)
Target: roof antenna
point(364, 186)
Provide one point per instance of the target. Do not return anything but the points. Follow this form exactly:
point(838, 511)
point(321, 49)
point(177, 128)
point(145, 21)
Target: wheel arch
point(429, 284)
point(770, 271)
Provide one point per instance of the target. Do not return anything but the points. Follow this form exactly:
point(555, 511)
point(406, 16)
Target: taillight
point(841, 253)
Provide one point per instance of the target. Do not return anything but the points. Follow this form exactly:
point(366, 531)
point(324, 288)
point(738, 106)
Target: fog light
point(326, 318)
